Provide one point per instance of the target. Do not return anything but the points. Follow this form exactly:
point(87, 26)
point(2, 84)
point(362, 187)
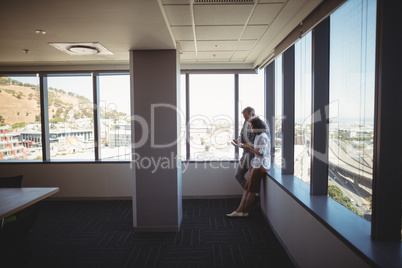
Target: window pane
point(20, 126)
point(302, 108)
point(278, 111)
point(251, 93)
point(70, 101)
point(211, 116)
point(182, 112)
point(115, 124)
point(352, 63)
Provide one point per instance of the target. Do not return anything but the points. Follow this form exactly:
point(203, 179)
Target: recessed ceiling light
point(83, 50)
point(40, 31)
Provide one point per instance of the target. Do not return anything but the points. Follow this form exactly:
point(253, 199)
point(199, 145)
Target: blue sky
point(114, 89)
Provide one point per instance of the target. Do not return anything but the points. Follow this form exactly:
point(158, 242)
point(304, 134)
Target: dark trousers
point(243, 167)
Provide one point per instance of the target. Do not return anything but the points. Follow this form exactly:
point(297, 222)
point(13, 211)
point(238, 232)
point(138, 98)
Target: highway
point(347, 169)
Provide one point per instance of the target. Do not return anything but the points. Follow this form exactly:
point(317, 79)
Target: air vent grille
point(222, 1)
point(82, 49)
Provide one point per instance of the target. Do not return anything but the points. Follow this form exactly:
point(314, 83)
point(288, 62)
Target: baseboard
point(92, 198)
point(130, 197)
point(157, 229)
point(210, 196)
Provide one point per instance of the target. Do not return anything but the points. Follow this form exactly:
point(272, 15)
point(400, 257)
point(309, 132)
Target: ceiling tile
point(183, 33)
point(218, 32)
point(246, 44)
point(240, 54)
point(237, 60)
point(188, 56)
point(187, 46)
point(254, 32)
point(216, 45)
point(261, 1)
point(178, 15)
point(265, 13)
point(214, 55)
point(213, 60)
point(221, 14)
point(165, 2)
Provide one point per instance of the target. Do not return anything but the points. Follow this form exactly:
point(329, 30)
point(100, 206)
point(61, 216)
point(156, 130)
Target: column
point(320, 103)
point(156, 172)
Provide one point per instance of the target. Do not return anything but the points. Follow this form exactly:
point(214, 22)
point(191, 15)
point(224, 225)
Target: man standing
point(246, 137)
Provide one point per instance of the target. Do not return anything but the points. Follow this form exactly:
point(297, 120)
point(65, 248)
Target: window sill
point(233, 160)
point(353, 230)
point(19, 162)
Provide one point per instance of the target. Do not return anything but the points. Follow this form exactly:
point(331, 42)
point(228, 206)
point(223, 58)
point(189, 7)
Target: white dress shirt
point(263, 145)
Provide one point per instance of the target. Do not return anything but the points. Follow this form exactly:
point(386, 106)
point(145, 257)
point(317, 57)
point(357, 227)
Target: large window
point(302, 108)
point(70, 116)
point(211, 116)
point(211, 105)
point(277, 132)
point(352, 63)
point(20, 118)
point(71, 121)
point(115, 120)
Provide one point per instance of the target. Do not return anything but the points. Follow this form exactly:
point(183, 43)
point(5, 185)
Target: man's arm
point(250, 149)
point(236, 142)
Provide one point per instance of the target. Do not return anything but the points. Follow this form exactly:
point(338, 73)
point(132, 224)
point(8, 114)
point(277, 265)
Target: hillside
point(18, 105)
point(21, 104)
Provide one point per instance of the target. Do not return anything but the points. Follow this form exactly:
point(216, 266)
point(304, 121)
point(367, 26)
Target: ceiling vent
point(82, 49)
point(223, 1)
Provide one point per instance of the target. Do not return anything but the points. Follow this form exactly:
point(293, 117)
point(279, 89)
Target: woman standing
point(259, 166)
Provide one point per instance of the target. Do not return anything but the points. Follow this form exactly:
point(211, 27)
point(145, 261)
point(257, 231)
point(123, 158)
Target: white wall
point(308, 241)
point(113, 180)
point(212, 179)
point(76, 180)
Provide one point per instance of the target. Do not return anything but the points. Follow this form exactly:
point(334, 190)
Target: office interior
point(159, 43)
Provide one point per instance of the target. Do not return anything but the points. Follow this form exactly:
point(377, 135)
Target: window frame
point(368, 240)
point(43, 87)
point(236, 90)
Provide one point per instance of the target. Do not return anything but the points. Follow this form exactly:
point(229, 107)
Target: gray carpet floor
point(100, 234)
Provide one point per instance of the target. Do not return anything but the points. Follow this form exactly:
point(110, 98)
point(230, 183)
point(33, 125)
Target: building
point(58, 137)
point(10, 146)
point(154, 40)
point(120, 138)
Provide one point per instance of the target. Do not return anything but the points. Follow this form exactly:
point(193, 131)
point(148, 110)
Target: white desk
point(13, 200)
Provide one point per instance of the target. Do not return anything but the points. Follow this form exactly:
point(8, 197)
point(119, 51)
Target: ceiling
point(231, 33)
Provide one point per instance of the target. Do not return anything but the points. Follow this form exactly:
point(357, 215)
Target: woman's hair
point(258, 125)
